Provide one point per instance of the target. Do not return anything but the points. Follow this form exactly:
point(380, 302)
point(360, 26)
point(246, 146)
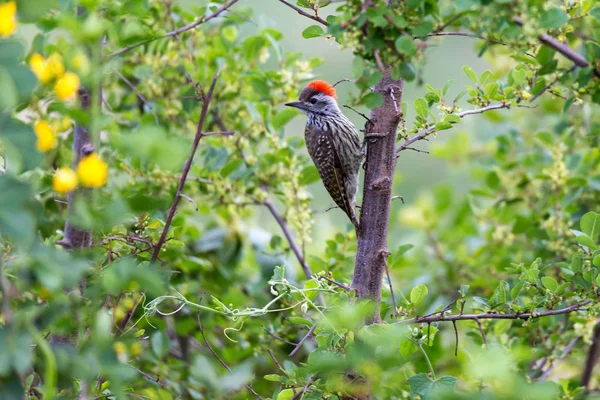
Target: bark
point(372, 250)
point(591, 359)
point(74, 237)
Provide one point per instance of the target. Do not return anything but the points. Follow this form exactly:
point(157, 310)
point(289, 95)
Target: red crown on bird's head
point(323, 87)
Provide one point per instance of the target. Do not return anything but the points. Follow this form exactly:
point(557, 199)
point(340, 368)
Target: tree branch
point(562, 48)
point(288, 235)
point(372, 252)
point(304, 13)
point(591, 359)
point(425, 132)
point(176, 31)
point(475, 317)
point(186, 168)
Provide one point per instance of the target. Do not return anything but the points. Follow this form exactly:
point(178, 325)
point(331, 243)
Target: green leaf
point(421, 385)
point(283, 117)
point(418, 294)
point(550, 283)
point(407, 71)
point(452, 118)
point(443, 125)
point(470, 73)
point(273, 377)
point(553, 18)
point(160, 344)
point(286, 394)
point(502, 326)
point(587, 241)
point(313, 31)
point(358, 67)
point(500, 295)
point(485, 77)
point(309, 175)
point(596, 260)
point(372, 100)
point(405, 45)
point(421, 107)
point(590, 224)
point(464, 289)
point(423, 29)
point(576, 262)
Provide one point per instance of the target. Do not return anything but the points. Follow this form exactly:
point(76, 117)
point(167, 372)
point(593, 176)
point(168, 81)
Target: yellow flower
point(40, 68)
point(55, 63)
point(8, 18)
point(66, 87)
point(526, 95)
point(92, 171)
point(45, 136)
point(64, 180)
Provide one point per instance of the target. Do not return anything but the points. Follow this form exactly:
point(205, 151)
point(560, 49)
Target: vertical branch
point(372, 253)
point(186, 168)
point(591, 359)
point(76, 238)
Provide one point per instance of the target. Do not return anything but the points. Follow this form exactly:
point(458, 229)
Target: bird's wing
point(323, 152)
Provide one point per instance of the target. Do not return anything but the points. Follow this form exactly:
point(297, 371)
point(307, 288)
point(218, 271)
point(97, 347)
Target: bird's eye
point(313, 101)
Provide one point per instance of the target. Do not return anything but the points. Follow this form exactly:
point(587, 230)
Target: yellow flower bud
point(66, 87)
point(55, 63)
point(46, 139)
point(526, 95)
point(136, 349)
point(8, 18)
point(64, 180)
point(40, 68)
point(92, 171)
point(119, 347)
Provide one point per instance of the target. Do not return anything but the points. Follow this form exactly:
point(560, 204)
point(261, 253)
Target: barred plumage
point(333, 144)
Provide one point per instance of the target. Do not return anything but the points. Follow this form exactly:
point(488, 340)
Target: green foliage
point(522, 236)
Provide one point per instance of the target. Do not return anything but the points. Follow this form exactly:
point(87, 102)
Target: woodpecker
point(333, 144)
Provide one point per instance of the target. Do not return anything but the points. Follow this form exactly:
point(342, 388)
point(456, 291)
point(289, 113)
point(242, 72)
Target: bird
point(333, 144)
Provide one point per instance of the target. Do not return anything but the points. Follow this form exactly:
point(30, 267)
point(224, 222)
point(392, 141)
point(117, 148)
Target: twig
point(480, 330)
point(423, 133)
point(279, 338)
point(448, 23)
point(188, 198)
point(523, 316)
point(286, 231)
point(359, 113)
point(342, 80)
point(129, 314)
point(387, 271)
point(304, 389)
point(565, 352)
point(148, 376)
point(276, 362)
point(176, 31)
point(138, 93)
point(336, 283)
point(299, 345)
point(548, 86)
point(562, 48)
point(456, 337)
point(222, 133)
point(302, 12)
point(186, 168)
point(591, 359)
point(417, 150)
point(214, 353)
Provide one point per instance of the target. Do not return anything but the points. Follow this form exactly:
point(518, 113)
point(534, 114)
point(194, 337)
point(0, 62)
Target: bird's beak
point(297, 104)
